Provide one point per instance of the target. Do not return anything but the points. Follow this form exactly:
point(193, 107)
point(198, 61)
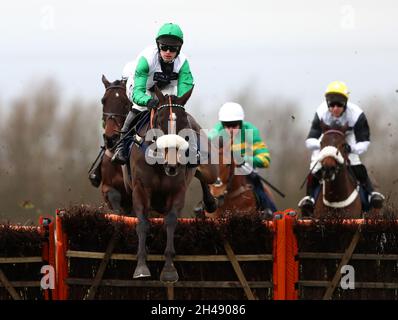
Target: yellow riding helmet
point(337, 87)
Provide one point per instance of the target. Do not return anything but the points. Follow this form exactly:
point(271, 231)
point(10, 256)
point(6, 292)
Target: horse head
point(171, 118)
point(333, 155)
point(226, 165)
point(115, 107)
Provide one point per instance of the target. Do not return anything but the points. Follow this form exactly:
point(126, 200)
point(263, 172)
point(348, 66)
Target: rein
point(170, 105)
point(334, 131)
point(231, 175)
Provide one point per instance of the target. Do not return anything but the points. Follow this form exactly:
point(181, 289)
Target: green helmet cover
point(170, 30)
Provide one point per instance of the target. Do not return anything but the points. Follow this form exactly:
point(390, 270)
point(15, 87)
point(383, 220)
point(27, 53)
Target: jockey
point(336, 108)
point(250, 151)
point(162, 65)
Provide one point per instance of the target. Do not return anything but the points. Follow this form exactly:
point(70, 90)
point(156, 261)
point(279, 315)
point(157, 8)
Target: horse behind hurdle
point(339, 192)
point(235, 194)
point(116, 106)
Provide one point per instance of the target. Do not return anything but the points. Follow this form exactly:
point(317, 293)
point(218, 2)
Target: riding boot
point(376, 199)
point(94, 173)
point(266, 206)
point(119, 157)
point(308, 202)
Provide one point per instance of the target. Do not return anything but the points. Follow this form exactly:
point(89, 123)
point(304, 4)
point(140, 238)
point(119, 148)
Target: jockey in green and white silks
point(172, 78)
point(162, 65)
point(249, 150)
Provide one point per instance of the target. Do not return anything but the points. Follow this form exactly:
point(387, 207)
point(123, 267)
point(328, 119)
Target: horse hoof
point(141, 272)
point(211, 206)
point(169, 275)
point(199, 213)
point(266, 214)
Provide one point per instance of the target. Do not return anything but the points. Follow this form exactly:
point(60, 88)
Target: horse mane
point(118, 83)
point(335, 125)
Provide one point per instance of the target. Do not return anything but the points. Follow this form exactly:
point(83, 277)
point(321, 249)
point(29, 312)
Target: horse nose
point(171, 170)
point(329, 163)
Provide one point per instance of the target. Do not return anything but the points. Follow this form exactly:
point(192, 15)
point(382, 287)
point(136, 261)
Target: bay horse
point(115, 107)
point(234, 192)
point(339, 192)
point(161, 185)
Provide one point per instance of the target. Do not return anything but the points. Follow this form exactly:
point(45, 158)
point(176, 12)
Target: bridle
point(338, 154)
point(155, 111)
point(228, 192)
point(340, 165)
point(119, 118)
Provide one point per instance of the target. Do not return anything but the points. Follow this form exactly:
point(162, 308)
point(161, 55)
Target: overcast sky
point(287, 48)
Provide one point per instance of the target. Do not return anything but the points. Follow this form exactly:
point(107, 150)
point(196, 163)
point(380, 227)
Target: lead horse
point(162, 184)
point(339, 192)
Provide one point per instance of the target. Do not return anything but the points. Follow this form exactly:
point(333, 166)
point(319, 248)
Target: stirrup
point(94, 179)
point(118, 158)
point(376, 200)
point(306, 202)
point(266, 214)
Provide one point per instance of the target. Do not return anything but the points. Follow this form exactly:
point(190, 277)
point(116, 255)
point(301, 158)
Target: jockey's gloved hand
point(152, 104)
point(347, 148)
point(245, 168)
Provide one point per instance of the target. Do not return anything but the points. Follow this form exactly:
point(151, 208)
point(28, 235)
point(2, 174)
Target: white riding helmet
point(231, 111)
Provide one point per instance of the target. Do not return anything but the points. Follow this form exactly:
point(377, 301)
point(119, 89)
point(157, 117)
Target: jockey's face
point(168, 53)
point(336, 104)
point(336, 110)
point(232, 127)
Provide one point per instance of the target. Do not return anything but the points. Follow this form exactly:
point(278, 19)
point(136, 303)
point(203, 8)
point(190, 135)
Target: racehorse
point(115, 107)
point(234, 192)
point(162, 184)
point(339, 192)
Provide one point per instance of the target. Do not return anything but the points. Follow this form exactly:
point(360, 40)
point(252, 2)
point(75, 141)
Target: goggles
point(165, 47)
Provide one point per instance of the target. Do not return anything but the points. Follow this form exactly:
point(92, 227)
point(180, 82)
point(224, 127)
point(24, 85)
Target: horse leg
point(141, 269)
point(169, 272)
point(210, 203)
point(114, 197)
point(142, 228)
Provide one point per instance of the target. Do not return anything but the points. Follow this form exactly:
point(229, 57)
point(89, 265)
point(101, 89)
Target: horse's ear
point(183, 100)
point(105, 82)
point(324, 126)
point(158, 93)
point(345, 127)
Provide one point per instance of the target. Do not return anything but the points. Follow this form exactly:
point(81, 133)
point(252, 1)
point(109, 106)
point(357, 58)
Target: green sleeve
point(261, 156)
point(185, 79)
point(140, 79)
point(215, 131)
